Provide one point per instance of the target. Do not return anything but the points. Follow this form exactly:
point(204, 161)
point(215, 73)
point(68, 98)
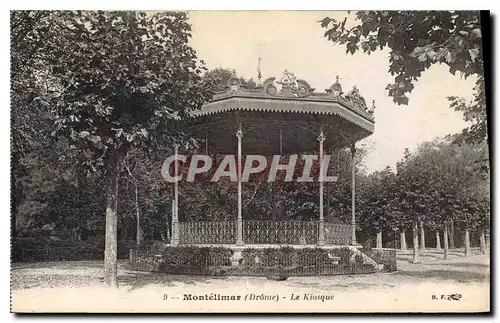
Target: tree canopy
point(417, 40)
point(113, 81)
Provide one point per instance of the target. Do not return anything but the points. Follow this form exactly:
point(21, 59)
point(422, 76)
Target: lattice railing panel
point(209, 232)
point(337, 234)
point(263, 232)
point(280, 232)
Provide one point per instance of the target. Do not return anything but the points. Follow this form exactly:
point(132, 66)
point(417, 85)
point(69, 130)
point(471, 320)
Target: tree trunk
point(138, 232)
point(416, 258)
point(402, 238)
point(167, 230)
point(138, 236)
point(482, 242)
point(379, 239)
point(452, 235)
point(422, 237)
point(111, 244)
point(467, 242)
point(438, 241)
point(445, 241)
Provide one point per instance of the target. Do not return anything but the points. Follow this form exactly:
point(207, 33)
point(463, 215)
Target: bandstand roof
point(282, 116)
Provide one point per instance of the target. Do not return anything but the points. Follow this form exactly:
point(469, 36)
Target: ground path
point(77, 286)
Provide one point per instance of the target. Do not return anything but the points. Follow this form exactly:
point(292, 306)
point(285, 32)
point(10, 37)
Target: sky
point(294, 41)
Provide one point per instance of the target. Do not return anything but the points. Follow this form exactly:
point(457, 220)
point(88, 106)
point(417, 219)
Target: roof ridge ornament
point(336, 88)
point(291, 86)
point(233, 84)
point(287, 79)
point(356, 99)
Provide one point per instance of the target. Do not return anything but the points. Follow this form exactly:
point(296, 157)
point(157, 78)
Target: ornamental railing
point(280, 232)
point(338, 234)
point(263, 232)
point(208, 232)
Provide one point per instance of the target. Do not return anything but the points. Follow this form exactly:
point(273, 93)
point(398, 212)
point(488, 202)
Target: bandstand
point(284, 116)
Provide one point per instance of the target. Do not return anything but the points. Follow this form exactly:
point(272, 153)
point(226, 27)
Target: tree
point(439, 185)
point(146, 203)
point(464, 192)
point(124, 79)
point(413, 195)
point(376, 203)
point(32, 177)
point(402, 221)
point(220, 76)
point(417, 40)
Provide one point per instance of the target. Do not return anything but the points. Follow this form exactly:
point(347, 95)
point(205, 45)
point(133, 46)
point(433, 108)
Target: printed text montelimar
point(257, 297)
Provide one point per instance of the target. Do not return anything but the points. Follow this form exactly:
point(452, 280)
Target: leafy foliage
point(123, 78)
point(220, 76)
point(439, 183)
point(417, 40)
point(474, 112)
point(378, 209)
point(434, 185)
point(104, 82)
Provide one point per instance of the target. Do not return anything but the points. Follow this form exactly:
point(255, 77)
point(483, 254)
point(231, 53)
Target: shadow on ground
point(58, 264)
point(137, 280)
point(339, 286)
point(455, 275)
point(461, 265)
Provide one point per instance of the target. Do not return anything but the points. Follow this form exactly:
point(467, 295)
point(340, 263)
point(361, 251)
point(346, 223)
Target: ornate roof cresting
point(289, 86)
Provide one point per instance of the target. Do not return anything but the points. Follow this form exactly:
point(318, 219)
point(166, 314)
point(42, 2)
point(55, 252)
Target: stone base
point(381, 259)
point(238, 249)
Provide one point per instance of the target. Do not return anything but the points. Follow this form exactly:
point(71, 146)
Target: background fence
point(30, 250)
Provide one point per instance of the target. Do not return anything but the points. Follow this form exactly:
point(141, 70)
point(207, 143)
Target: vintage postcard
point(237, 161)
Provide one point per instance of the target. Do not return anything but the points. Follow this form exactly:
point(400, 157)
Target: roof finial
point(259, 73)
point(372, 109)
point(336, 88)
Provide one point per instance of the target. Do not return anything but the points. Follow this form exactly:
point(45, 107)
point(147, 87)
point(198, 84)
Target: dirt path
point(77, 286)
